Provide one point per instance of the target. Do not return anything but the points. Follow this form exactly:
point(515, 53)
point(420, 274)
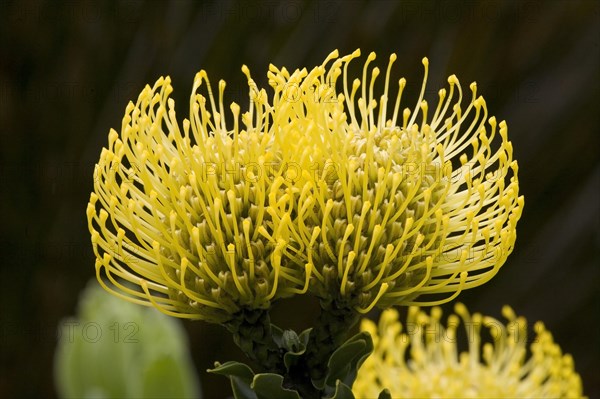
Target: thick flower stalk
point(422, 359)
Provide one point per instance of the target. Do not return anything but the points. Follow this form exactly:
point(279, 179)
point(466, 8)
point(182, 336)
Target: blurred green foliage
point(116, 349)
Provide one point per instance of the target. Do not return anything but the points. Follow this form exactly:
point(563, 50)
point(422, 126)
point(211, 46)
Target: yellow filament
point(382, 289)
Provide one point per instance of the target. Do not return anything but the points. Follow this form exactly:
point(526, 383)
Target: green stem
point(251, 330)
point(298, 378)
point(331, 330)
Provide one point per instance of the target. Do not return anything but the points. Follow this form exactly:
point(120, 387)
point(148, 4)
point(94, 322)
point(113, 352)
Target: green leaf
point(344, 362)
point(240, 375)
point(385, 394)
point(269, 386)
point(304, 336)
point(234, 369)
point(291, 341)
point(290, 358)
point(241, 389)
point(277, 334)
point(342, 391)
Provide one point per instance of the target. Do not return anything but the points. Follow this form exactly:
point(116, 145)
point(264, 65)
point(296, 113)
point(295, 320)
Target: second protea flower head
point(393, 204)
point(423, 358)
point(324, 187)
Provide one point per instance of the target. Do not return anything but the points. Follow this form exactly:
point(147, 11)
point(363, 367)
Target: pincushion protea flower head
point(188, 221)
point(316, 189)
point(422, 361)
point(391, 205)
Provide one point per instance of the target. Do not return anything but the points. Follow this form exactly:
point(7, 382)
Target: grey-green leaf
point(241, 389)
point(291, 357)
point(234, 369)
point(344, 363)
point(270, 386)
point(342, 391)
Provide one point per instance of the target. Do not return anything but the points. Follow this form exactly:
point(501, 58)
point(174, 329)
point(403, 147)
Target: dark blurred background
point(68, 69)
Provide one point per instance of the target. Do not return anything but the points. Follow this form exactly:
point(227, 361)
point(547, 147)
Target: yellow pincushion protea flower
point(187, 220)
point(422, 360)
point(316, 189)
point(391, 205)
